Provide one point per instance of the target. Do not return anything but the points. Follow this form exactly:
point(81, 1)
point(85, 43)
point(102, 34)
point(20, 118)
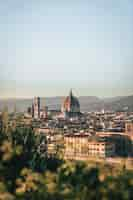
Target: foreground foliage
point(27, 175)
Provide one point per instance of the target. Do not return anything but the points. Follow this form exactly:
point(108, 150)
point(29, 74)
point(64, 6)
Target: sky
point(50, 46)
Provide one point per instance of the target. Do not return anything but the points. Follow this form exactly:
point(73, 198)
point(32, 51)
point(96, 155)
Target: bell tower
point(36, 107)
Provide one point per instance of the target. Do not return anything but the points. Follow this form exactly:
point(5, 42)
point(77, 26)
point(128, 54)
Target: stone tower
point(36, 108)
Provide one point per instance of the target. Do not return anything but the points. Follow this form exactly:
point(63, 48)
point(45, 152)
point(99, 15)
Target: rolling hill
point(88, 103)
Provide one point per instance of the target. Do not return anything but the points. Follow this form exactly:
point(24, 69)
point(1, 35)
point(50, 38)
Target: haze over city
point(48, 47)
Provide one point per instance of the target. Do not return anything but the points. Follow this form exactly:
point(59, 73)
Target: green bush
point(26, 175)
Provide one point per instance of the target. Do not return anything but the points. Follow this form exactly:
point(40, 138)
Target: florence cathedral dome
point(71, 106)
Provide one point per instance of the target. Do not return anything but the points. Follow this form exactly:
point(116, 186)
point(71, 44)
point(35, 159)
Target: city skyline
point(48, 48)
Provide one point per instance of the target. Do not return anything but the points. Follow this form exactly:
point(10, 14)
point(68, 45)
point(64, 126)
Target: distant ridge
point(88, 103)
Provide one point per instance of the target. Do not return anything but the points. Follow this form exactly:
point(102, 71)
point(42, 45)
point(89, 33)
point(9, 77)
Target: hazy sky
point(50, 46)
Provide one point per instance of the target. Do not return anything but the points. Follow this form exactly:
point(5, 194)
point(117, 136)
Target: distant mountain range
point(87, 103)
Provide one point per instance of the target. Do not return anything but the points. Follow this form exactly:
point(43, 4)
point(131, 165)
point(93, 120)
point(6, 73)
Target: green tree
point(5, 120)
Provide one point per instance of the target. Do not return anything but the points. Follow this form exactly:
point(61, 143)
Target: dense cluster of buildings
point(81, 135)
point(84, 135)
